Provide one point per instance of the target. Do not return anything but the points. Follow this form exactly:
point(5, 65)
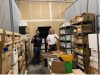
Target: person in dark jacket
point(37, 41)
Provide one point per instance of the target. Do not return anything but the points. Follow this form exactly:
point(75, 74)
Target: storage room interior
point(49, 37)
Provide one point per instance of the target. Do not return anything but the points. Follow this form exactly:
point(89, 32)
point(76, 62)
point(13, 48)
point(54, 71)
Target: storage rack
point(9, 44)
point(82, 26)
point(66, 39)
point(27, 51)
point(7, 49)
point(1, 36)
point(19, 44)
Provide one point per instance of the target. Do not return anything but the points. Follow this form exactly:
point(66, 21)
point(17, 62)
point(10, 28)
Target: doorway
point(44, 33)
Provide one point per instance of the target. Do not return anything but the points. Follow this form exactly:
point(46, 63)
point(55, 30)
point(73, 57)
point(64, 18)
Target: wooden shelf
point(8, 43)
point(8, 32)
point(17, 34)
point(7, 56)
point(16, 41)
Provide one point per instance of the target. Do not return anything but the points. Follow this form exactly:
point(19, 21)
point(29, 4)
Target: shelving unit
point(1, 48)
point(82, 26)
point(27, 50)
point(19, 47)
point(66, 39)
point(6, 46)
point(11, 44)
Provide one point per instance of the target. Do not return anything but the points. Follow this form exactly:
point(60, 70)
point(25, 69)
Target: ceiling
point(68, 1)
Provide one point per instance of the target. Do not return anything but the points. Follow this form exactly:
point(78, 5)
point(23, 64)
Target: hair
point(52, 30)
point(37, 30)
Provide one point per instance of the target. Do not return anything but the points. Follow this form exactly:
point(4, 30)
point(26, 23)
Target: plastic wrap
point(5, 15)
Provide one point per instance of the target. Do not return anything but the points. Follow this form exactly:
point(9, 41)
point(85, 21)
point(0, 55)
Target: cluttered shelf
point(82, 23)
point(83, 19)
point(12, 44)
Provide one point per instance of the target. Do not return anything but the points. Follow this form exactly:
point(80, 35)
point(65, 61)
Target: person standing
point(37, 41)
point(52, 40)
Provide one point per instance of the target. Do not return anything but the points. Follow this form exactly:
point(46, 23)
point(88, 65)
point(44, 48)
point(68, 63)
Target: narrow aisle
point(35, 69)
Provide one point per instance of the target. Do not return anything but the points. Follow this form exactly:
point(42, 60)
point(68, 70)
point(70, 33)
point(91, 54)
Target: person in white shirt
point(52, 40)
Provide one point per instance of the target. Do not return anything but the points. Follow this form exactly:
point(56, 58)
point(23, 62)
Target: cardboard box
point(58, 67)
point(79, 29)
point(6, 65)
point(88, 16)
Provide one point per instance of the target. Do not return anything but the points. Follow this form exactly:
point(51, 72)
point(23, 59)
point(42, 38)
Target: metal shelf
point(79, 53)
point(79, 63)
point(62, 34)
point(82, 67)
point(65, 40)
point(82, 23)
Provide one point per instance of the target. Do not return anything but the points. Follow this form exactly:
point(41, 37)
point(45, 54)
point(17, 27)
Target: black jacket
point(37, 40)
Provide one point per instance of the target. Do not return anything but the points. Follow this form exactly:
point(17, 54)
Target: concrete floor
point(35, 69)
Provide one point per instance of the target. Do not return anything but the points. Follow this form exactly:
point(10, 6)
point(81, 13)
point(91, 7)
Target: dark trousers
point(37, 51)
point(53, 47)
